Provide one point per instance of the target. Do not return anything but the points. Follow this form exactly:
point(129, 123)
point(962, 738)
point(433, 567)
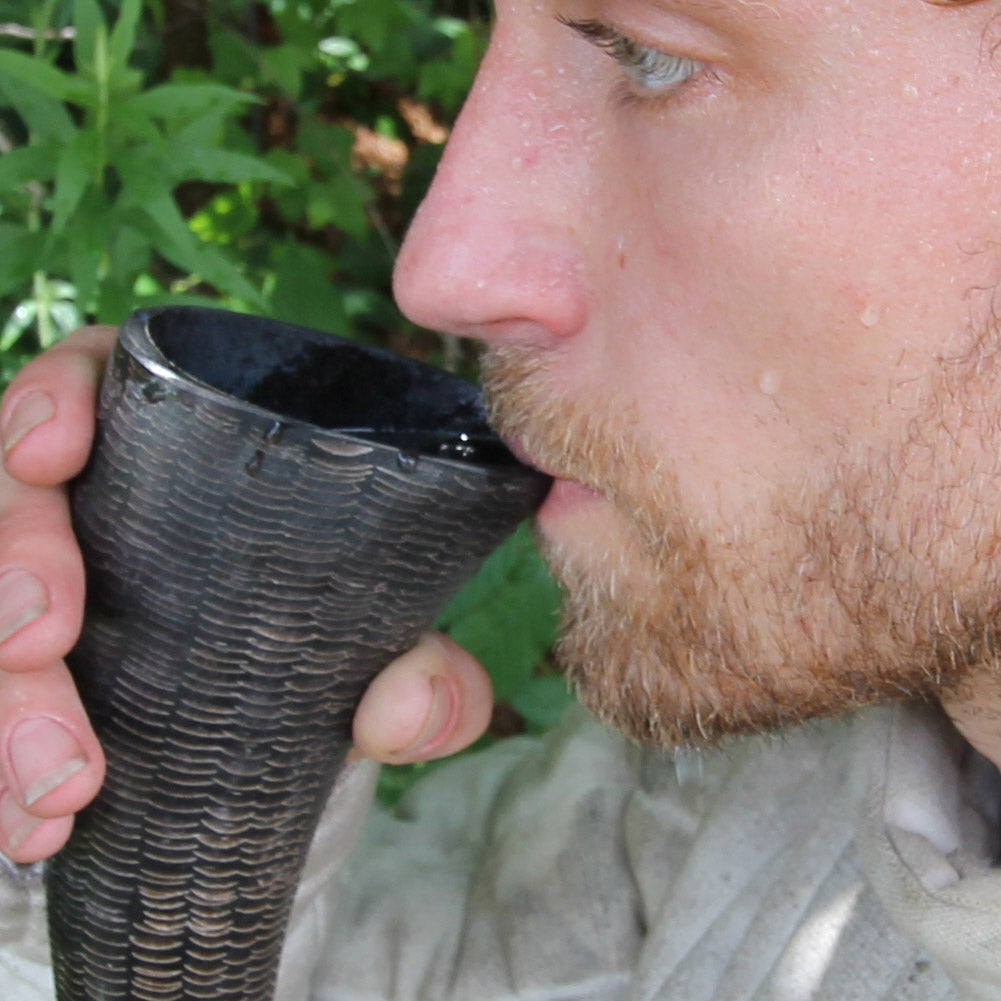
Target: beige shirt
point(844, 860)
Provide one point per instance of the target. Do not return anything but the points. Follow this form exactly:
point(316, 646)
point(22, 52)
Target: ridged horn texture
point(249, 569)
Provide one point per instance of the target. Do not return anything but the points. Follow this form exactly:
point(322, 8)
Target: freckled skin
point(761, 218)
point(810, 250)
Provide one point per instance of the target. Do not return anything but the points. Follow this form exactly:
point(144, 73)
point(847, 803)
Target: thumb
point(433, 701)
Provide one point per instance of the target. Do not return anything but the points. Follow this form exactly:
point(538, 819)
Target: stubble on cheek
point(872, 578)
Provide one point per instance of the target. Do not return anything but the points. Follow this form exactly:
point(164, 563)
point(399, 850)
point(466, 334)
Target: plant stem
point(43, 21)
point(102, 75)
point(41, 289)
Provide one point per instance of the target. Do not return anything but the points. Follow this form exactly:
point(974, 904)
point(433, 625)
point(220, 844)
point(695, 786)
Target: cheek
point(797, 284)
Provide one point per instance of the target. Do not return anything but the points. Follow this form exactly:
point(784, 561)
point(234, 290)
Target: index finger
point(47, 416)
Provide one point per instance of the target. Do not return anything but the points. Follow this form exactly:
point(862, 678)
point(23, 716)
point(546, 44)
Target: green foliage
point(127, 179)
point(92, 185)
point(506, 618)
point(271, 162)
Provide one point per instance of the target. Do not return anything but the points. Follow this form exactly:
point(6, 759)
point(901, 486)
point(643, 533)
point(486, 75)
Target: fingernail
point(43, 754)
point(14, 822)
point(36, 408)
point(23, 599)
point(440, 712)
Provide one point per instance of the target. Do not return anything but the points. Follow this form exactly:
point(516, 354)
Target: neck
point(975, 709)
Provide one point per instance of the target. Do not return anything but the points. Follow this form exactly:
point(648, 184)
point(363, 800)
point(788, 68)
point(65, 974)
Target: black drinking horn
point(270, 516)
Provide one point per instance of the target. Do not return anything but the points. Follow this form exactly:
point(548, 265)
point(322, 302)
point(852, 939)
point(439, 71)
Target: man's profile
point(735, 263)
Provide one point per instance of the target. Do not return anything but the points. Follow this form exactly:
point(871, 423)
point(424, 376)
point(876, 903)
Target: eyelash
point(651, 73)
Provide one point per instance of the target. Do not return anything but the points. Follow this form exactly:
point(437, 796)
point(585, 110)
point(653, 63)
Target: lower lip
point(565, 498)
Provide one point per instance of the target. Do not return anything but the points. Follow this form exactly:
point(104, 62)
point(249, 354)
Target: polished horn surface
point(250, 567)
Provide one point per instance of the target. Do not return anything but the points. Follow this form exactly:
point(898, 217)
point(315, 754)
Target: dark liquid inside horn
point(337, 385)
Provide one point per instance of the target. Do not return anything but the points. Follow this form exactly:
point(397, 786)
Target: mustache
point(528, 405)
point(587, 434)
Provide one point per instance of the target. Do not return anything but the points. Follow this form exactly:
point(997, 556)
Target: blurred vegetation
point(266, 157)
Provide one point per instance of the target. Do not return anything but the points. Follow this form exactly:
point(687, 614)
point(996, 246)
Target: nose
point(494, 251)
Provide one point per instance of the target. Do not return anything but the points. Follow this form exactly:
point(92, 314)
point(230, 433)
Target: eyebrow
point(750, 8)
point(717, 4)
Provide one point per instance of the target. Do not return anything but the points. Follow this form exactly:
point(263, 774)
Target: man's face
point(735, 262)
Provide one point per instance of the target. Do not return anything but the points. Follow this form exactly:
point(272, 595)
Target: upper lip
point(518, 450)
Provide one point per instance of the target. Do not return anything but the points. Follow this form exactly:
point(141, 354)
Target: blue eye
point(649, 70)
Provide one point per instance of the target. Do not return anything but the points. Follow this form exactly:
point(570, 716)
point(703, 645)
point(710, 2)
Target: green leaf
point(339, 201)
point(125, 251)
point(211, 265)
point(37, 74)
point(145, 186)
point(27, 163)
point(344, 53)
point(285, 65)
point(164, 226)
point(114, 302)
point(20, 256)
point(129, 252)
point(123, 35)
point(227, 216)
point(147, 191)
point(44, 117)
point(205, 130)
point(288, 163)
point(187, 100)
point(305, 292)
point(65, 316)
point(123, 80)
point(76, 169)
point(541, 701)
point(447, 80)
point(328, 145)
point(223, 166)
point(507, 615)
point(234, 58)
point(86, 239)
point(129, 126)
point(18, 323)
point(368, 22)
point(90, 27)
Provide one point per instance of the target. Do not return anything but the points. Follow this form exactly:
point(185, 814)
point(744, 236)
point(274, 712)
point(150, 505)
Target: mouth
point(566, 496)
point(518, 450)
point(522, 454)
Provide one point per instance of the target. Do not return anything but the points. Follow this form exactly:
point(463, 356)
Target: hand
point(433, 701)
